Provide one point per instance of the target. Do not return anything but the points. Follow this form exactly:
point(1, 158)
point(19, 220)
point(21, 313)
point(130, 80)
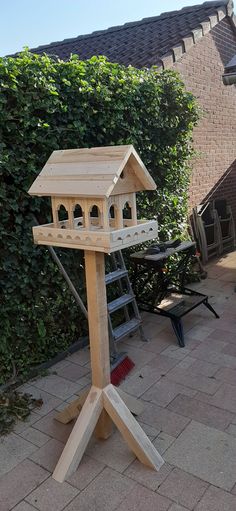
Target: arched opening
point(127, 214)
point(78, 216)
point(95, 216)
point(112, 215)
point(62, 216)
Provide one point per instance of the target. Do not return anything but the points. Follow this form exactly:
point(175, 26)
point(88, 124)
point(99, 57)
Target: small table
point(165, 296)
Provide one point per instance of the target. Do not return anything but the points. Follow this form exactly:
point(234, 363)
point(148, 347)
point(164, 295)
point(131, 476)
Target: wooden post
point(97, 312)
point(98, 330)
point(103, 403)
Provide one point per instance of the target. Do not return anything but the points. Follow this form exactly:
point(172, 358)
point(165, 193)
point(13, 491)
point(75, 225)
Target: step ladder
point(126, 303)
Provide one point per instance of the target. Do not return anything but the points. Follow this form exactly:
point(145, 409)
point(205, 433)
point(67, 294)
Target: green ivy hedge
point(47, 104)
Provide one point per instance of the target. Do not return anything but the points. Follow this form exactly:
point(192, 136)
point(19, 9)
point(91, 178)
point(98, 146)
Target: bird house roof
point(95, 172)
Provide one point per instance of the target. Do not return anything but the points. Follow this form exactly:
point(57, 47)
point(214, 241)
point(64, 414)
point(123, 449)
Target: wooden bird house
point(93, 196)
point(96, 191)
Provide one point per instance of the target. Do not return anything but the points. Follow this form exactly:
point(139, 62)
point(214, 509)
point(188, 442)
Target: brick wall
point(214, 169)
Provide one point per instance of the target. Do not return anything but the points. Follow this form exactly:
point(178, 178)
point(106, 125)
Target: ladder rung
point(126, 328)
point(115, 275)
point(120, 302)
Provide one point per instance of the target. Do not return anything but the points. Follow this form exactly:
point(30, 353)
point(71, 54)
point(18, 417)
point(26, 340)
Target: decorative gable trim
point(175, 53)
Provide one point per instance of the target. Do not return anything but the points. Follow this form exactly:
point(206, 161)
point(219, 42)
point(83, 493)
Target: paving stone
point(222, 335)
point(23, 425)
point(201, 412)
point(155, 344)
point(140, 381)
point(216, 500)
point(142, 499)
point(199, 332)
point(176, 352)
point(88, 469)
point(63, 363)
point(163, 441)
point(186, 362)
point(226, 375)
point(206, 453)
point(221, 359)
point(114, 452)
point(13, 450)
point(231, 430)
point(81, 357)
point(230, 349)
point(176, 507)
point(48, 455)
point(204, 368)
point(85, 381)
point(224, 398)
point(187, 378)
point(24, 506)
point(16, 484)
point(162, 364)
point(183, 488)
point(57, 386)
point(226, 324)
point(163, 419)
point(72, 371)
point(53, 428)
point(192, 344)
point(49, 402)
point(147, 476)
point(34, 436)
point(52, 495)
point(150, 431)
point(104, 493)
point(164, 391)
point(139, 356)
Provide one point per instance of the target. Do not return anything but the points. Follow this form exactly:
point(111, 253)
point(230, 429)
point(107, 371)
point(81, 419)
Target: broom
point(121, 364)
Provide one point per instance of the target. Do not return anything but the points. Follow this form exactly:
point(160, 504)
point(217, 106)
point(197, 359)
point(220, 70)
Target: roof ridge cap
point(143, 21)
point(224, 8)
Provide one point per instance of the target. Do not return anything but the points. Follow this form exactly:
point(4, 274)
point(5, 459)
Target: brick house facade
point(198, 42)
point(214, 168)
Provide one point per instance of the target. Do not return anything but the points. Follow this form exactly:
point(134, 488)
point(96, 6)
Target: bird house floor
point(189, 412)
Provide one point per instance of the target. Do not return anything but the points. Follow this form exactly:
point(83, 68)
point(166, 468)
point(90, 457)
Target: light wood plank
point(65, 173)
point(73, 409)
point(130, 429)
point(70, 188)
point(89, 154)
point(98, 321)
point(80, 168)
point(135, 405)
point(80, 435)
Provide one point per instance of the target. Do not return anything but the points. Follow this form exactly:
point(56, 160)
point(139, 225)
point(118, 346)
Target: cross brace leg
point(106, 401)
point(73, 409)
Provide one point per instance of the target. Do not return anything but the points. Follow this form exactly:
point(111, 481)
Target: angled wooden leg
point(80, 435)
point(130, 429)
point(73, 409)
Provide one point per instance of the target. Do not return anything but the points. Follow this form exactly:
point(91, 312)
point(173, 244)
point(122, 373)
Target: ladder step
point(115, 275)
point(120, 302)
point(126, 328)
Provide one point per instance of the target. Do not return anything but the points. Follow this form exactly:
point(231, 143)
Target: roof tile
point(145, 42)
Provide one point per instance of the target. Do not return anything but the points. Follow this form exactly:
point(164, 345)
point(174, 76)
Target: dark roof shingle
point(145, 42)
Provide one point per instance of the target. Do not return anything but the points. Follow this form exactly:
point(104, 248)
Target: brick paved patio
point(189, 412)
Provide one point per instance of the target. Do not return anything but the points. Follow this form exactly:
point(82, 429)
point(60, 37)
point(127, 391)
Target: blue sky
point(32, 23)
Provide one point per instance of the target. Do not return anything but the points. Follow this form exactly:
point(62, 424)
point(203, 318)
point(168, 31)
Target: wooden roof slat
point(66, 174)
